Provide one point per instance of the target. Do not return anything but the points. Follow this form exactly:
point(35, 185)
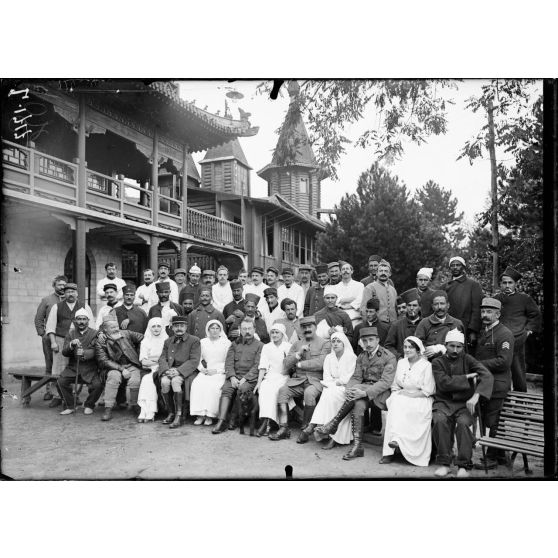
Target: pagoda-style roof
point(191, 168)
point(153, 103)
point(280, 202)
point(226, 151)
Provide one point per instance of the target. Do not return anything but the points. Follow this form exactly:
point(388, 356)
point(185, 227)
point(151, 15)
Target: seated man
point(164, 308)
point(241, 370)
point(79, 345)
point(454, 403)
point(178, 364)
point(291, 322)
point(331, 316)
point(130, 317)
point(369, 386)
point(404, 326)
point(305, 363)
point(117, 353)
point(370, 319)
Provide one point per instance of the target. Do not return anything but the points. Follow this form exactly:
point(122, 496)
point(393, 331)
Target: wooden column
point(80, 247)
point(79, 257)
point(155, 176)
point(184, 191)
point(154, 253)
point(184, 255)
point(82, 169)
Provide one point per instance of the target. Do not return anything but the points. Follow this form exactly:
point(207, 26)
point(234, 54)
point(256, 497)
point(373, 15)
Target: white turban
point(455, 336)
point(81, 312)
point(458, 259)
point(330, 290)
point(195, 269)
point(425, 272)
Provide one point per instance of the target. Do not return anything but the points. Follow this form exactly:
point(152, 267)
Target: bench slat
point(523, 435)
point(534, 427)
point(512, 446)
point(535, 417)
point(519, 438)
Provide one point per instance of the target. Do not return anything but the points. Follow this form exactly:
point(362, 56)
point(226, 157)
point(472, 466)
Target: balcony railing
point(32, 172)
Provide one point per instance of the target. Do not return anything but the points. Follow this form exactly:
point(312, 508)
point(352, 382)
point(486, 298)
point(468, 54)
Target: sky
point(435, 160)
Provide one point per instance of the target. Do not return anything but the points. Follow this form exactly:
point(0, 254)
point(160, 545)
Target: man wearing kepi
point(79, 347)
point(369, 387)
point(306, 363)
point(117, 353)
point(241, 370)
point(522, 316)
point(495, 352)
point(454, 403)
point(464, 297)
point(178, 364)
point(315, 295)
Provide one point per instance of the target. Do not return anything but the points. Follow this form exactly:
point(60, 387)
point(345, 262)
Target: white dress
point(272, 360)
point(206, 390)
point(409, 418)
point(333, 396)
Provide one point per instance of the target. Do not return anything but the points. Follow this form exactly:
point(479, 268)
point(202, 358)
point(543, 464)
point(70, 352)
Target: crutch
point(481, 428)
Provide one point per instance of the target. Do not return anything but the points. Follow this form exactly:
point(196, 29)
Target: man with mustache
point(112, 302)
point(334, 271)
point(291, 290)
point(129, 316)
point(384, 292)
point(314, 300)
point(165, 308)
point(203, 313)
point(110, 269)
point(143, 291)
point(234, 310)
point(192, 286)
point(404, 327)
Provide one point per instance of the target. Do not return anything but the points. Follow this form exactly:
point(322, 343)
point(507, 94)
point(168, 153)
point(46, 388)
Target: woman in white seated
point(409, 416)
point(339, 366)
point(206, 387)
point(150, 350)
point(272, 376)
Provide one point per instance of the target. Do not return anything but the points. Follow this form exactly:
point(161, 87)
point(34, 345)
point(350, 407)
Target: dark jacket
point(311, 364)
point(382, 328)
point(398, 332)
point(374, 374)
point(465, 297)
point(334, 318)
point(519, 313)
point(453, 389)
point(198, 318)
point(314, 300)
point(137, 317)
point(432, 332)
point(43, 311)
point(425, 300)
point(87, 362)
point(182, 353)
point(112, 354)
point(243, 359)
point(495, 351)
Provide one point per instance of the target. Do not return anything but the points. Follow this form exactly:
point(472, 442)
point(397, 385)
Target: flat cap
point(274, 269)
point(321, 268)
point(287, 271)
point(333, 264)
point(208, 272)
point(305, 267)
point(107, 287)
point(128, 289)
point(257, 269)
point(179, 270)
point(270, 291)
point(163, 264)
point(307, 320)
point(70, 286)
point(368, 332)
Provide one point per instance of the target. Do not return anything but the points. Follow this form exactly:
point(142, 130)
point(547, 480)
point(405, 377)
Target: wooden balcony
point(31, 172)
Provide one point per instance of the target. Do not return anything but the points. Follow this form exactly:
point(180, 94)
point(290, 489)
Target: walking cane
point(482, 430)
point(77, 376)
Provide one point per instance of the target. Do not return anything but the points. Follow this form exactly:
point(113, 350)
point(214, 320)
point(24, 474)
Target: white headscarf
point(346, 344)
point(214, 322)
point(348, 359)
point(153, 344)
point(281, 328)
point(417, 342)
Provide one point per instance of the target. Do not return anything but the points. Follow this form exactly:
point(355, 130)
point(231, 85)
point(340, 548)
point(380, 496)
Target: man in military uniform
point(383, 290)
point(79, 345)
point(234, 310)
point(370, 320)
point(423, 291)
point(178, 366)
point(369, 387)
point(305, 363)
point(241, 369)
point(314, 299)
point(331, 316)
point(405, 326)
point(495, 352)
point(204, 312)
point(373, 262)
point(129, 316)
point(432, 330)
point(334, 271)
point(305, 278)
point(521, 315)
point(454, 403)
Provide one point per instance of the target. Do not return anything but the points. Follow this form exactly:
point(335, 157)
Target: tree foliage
point(381, 217)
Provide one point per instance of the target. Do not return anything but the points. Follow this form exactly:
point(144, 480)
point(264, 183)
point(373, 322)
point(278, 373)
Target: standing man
point(40, 324)
point(454, 403)
point(130, 317)
point(272, 277)
point(165, 308)
point(234, 311)
point(424, 292)
point(495, 353)
point(208, 277)
point(193, 285)
point(464, 296)
point(204, 312)
point(522, 316)
point(432, 331)
point(180, 278)
point(142, 293)
point(251, 302)
point(349, 293)
point(178, 366)
point(241, 369)
point(305, 363)
point(79, 345)
point(305, 278)
point(291, 290)
point(257, 287)
point(334, 270)
point(384, 292)
point(117, 353)
point(373, 262)
point(370, 320)
point(58, 325)
point(187, 298)
point(111, 294)
point(243, 277)
point(368, 388)
point(221, 291)
point(404, 327)
point(163, 277)
point(314, 300)
point(273, 311)
point(401, 307)
point(110, 269)
point(330, 317)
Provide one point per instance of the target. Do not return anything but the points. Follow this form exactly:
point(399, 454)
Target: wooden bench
point(520, 427)
point(27, 385)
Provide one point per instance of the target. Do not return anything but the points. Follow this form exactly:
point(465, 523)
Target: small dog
point(248, 409)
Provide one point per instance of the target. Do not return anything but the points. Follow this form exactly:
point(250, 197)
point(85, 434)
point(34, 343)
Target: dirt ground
point(38, 443)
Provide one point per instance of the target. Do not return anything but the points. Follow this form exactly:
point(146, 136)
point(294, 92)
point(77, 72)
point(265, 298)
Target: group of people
point(333, 351)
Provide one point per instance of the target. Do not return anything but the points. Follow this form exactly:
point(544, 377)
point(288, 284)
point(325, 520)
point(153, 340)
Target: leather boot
point(107, 415)
point(356, 450)
point(136, 409)
point(307, 426)
point(168, 405)
point(263, 430)
point(283, 418)
point(178, 406)
point(325, 430)
point(221, 425)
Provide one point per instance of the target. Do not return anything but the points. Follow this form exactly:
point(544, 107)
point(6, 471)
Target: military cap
point(257, 269)
point(252, 297)
point(399, 301)
point(307, 320)
point(187, 295)
point(179, 270)
point(206, 288)
point(287, 271)
point(179, 320)
point(128, 289)
point(305, 267)
point(208, 272)
point(489, 302)
point(321, 268)
point(511, 273)
point(274, 269)
point(70, 286)
point(235, 284)
point(368, 332)
point(333, 264)
point(409, 296)
point(108, 286)
point(375, 258)
point(163, 264)
point(270, 291)
point(373, 303)
point(163, 286)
